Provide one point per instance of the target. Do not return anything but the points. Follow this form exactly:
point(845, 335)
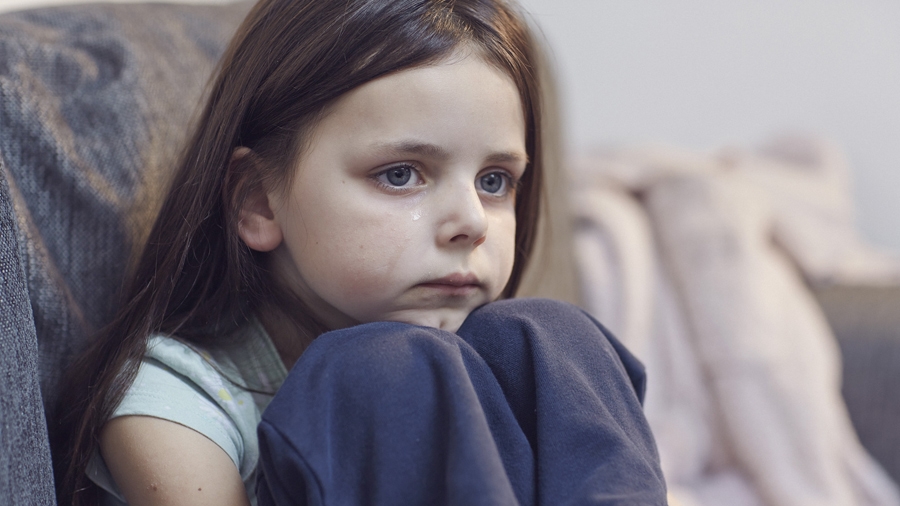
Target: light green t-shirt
point(208, 390)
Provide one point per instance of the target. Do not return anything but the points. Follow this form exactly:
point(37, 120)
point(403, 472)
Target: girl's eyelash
point(512, 182)
point(414, 172)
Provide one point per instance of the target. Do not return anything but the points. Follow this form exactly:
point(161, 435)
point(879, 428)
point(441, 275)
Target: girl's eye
point(495, 183)
point(400, 176)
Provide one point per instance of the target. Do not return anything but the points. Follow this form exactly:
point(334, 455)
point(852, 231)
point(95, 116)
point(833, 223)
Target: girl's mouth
point(456, 284)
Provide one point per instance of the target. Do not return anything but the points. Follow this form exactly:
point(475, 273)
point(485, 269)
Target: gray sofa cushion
point(866, 321)
point(27, 480)
point(95, 102)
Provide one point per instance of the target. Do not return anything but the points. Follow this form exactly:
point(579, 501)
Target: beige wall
point(704, 73)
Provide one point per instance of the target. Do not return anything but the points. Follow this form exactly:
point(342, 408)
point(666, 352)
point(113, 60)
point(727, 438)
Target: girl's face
point(403, 204)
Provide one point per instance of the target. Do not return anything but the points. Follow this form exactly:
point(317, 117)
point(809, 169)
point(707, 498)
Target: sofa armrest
point(26, 475)
point(866, 322)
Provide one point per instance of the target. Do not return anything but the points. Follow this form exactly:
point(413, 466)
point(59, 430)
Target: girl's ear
point(256, 226)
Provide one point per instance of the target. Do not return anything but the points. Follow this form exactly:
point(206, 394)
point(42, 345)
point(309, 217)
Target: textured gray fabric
point(26, 476)
point(866, 321)
point(95, 101)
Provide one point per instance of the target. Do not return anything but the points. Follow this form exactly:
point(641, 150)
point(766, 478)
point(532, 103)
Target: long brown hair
point(289, 60)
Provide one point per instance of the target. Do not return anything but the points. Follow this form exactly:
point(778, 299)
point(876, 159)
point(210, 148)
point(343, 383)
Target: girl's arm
point(157, 462)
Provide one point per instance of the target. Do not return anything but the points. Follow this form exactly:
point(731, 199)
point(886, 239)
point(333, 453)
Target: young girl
point(361, 188)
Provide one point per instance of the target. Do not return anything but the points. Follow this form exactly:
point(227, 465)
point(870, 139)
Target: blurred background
point(704, 74)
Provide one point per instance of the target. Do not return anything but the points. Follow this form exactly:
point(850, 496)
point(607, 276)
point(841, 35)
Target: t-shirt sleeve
point(160, 392)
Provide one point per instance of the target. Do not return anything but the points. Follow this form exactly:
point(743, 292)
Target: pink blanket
point(701, 264)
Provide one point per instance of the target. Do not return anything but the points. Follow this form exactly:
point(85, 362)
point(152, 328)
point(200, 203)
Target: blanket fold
point(701, 263)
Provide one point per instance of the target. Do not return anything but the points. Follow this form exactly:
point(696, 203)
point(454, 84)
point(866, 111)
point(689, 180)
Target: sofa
point(94, 103)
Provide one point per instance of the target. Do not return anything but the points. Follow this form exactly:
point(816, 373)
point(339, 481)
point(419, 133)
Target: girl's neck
point(289, 339)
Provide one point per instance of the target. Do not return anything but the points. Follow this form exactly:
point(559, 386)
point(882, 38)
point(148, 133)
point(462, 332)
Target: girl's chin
point(444, 319)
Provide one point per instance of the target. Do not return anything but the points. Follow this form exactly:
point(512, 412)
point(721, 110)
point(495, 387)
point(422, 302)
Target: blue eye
point(398, 176)
point(494, 183)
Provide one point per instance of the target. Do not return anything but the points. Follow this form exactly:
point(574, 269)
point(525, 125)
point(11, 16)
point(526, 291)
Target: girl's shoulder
point(233, 380)
point(219, 391)
point(244, 361)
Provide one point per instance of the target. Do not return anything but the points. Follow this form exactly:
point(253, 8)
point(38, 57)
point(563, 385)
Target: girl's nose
point(463, 220)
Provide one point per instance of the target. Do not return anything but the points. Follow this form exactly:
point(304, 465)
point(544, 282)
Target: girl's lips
point(454, 284)
point(455, 279)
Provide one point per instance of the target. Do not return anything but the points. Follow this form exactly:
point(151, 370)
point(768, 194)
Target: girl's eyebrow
point(437, 152)
point(414, 148)
point(507, 157)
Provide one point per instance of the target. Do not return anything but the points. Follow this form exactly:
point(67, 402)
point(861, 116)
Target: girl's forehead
point(463, 77)
point(461, 108)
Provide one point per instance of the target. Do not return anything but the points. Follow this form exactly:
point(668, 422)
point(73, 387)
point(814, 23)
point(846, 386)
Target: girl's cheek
point(501, 241)
point(379, 248)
